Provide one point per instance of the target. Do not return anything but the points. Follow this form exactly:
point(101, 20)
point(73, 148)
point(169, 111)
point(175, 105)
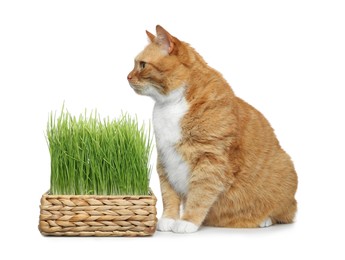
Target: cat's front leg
point(206, 184)
point(171, 202)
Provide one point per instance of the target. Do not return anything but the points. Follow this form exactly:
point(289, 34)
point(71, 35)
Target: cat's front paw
point(183, 226)
point(165, 224)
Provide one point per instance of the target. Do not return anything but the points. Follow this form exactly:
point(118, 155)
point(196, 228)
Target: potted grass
point(99, 183)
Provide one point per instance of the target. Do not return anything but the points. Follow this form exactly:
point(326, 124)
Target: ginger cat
point(217, 155)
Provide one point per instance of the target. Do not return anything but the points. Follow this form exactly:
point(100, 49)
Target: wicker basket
point(93, 215)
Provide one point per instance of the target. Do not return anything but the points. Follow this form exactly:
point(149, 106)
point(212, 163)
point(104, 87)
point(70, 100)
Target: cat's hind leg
point(266, 223)
point(286, 214)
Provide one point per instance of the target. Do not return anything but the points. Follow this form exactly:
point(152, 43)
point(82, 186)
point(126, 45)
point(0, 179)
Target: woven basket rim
point(149, 196)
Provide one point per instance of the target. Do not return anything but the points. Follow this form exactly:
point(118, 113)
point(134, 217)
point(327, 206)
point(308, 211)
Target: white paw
point(183, 226)
point(165, 224)
point(266, 223)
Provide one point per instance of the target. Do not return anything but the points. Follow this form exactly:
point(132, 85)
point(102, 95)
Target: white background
point(287, 58)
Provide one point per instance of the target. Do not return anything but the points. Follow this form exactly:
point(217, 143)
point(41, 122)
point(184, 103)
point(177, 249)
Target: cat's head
point(162, 66)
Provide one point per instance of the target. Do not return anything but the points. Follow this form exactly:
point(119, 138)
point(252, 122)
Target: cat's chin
point(157, 95)
point(147, 91)
point(154, 93)
point(141, 92)
point(138, 91)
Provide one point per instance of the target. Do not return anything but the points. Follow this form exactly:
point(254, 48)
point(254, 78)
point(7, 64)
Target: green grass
point(94, 156)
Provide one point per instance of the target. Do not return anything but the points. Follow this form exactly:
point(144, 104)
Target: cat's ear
point(151, 36)
point(165, 39)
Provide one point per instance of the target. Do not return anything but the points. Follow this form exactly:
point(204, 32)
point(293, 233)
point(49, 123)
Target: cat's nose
point(129, 76)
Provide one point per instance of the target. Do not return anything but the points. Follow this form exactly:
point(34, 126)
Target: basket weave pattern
point(93, 215)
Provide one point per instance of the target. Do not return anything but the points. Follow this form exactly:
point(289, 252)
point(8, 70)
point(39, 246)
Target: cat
point(217, 155)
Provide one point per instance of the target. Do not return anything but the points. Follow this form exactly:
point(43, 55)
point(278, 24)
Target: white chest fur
point(167, 117)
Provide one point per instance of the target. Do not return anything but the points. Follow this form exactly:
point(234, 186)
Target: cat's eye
point(142, 64)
